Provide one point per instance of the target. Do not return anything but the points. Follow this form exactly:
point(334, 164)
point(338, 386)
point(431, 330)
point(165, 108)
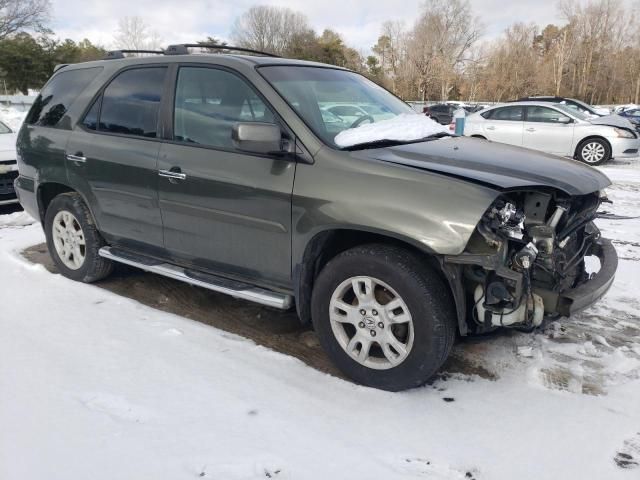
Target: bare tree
point(134, 34)
point(270, 29)
point(18, 15)
point(390, 51)
point(440, 42)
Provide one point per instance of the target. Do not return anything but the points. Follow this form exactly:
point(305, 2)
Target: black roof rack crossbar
point(115, 54)
point(183, 49)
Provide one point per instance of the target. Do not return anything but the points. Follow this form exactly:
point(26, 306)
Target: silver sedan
point(556, 129)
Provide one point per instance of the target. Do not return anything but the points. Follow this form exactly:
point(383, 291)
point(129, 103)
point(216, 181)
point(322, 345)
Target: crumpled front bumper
point(586, 294)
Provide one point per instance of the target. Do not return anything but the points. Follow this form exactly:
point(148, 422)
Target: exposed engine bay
point(527, 250)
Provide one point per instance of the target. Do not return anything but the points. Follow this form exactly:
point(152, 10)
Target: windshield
point(578, 106)
point(331, 100)
point(572, 110)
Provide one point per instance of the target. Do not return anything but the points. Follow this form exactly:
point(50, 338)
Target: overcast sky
point(358, 21)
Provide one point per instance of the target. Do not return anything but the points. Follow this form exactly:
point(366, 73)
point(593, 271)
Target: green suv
point(222, 171)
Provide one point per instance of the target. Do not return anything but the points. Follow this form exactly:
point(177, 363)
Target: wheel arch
point(327, 244)
point(47, 191)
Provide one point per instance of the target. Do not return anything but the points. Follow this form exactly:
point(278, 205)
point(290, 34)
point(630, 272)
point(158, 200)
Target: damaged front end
point(532, 256)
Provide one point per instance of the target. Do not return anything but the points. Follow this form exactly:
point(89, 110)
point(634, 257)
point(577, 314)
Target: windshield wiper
point(390, 143)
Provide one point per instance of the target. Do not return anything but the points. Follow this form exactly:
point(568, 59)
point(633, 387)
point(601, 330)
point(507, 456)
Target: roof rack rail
point(115, 54)
point(183, 49)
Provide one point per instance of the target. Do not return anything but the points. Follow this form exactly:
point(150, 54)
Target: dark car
point(441, 112)
point(633, 115)
point(569, 102)
point(221, 171)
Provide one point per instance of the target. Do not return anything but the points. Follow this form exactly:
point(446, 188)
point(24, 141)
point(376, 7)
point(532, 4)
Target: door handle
point(491, 128)
point(531, 129)
point(78, 157)
point(173, 174)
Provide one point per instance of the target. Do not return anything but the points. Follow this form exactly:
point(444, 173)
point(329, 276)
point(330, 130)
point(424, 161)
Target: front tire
point(594, 151)
point(73, 240)
point(385, 318)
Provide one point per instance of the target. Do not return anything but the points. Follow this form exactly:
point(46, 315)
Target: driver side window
point(209, 102)
point(546, 115)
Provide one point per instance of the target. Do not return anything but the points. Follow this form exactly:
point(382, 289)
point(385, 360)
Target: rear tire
point(394, 335)
point(73, 240)
point(594, 151)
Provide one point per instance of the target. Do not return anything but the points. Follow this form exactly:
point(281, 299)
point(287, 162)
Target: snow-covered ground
point(96, 386)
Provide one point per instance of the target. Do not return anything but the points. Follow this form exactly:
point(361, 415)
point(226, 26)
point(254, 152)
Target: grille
point(6, 183)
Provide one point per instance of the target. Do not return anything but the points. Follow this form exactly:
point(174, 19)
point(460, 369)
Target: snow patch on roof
point(404, 128)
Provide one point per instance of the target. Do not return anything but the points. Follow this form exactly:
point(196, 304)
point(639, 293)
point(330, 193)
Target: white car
point(8, 166)
point(556, 129)
point(359, 113)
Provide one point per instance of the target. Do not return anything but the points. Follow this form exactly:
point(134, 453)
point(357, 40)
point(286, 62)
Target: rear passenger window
point(58, 95)
point(209, 102)
point(515, 114)
point(131, 102)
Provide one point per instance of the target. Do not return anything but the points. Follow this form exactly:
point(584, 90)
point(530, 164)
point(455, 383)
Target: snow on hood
point(613, 121)
point(13, 116)
point(404, 128)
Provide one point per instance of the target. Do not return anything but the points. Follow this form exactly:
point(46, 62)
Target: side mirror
point(564, 120)
point(255, 137)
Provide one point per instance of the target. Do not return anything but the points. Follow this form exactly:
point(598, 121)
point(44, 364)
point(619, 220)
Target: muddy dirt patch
point(280, 331)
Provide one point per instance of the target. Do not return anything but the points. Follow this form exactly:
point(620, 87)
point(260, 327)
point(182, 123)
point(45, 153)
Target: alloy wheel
point(593, 152)
point(371, 322)
point(68, 240)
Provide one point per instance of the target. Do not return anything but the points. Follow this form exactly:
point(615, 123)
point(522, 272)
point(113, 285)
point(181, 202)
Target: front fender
point(434, 212)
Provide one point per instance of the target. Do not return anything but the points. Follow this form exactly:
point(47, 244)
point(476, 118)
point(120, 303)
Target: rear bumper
point(25, 189)
point(581, 297)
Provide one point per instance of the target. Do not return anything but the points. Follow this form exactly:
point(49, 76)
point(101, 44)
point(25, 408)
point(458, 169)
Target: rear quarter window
point(58, 95)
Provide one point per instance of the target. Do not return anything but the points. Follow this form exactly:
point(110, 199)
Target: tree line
point(593, 54)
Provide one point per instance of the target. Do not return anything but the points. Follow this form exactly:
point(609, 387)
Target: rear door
point(548, 130)
point(231, 210)
point(112, 157)
point(505, 125)
point(44, 134)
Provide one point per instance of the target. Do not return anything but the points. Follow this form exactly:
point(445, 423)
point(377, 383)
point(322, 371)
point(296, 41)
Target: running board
point(232, 288)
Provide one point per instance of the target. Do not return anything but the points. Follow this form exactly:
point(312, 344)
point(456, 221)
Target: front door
point(223, 209)
point(548, 130)
point(112, 158)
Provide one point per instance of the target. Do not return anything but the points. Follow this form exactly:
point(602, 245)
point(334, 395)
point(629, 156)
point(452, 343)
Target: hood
point(8, 143)
point(502, 166)
point(612, 121)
